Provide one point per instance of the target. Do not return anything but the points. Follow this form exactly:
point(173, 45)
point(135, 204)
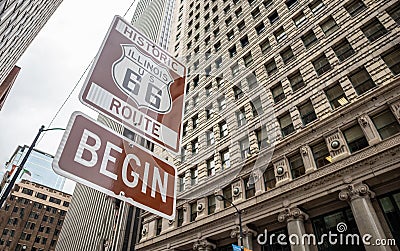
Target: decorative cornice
point(290, 214)
point(355, 191)
point(204, 243)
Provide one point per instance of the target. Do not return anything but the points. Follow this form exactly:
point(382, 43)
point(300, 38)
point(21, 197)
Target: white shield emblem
point(143, 80)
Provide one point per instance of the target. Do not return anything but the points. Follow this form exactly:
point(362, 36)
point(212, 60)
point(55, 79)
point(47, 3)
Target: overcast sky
point(50, 68)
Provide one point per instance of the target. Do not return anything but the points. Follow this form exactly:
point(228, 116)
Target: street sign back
point(137, 83)
point(95, 156)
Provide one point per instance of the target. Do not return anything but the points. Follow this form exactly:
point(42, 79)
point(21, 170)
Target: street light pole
point(239, 212)
point(21, 166)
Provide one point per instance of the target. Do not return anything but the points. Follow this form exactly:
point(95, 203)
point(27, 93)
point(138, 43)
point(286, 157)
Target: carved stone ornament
point(303, 151)
point(362, 120)
point(236, 191)
point(144, 231)
point(204, 245)
point(292, 214)
point(355, 191)
point(170, 222)
point(200, 207)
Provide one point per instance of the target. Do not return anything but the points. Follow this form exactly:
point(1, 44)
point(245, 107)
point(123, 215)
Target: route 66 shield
point(143, 80)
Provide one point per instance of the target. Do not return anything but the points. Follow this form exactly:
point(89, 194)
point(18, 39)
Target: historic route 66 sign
point(143, 80)
point(137, 84)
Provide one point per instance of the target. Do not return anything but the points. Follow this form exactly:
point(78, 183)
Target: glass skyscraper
point(39, 167)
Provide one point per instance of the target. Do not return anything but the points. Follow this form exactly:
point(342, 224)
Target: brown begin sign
point(96, 156)
point(137, 83)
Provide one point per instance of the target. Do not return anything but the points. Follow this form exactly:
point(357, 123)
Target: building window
point(329, 26)
point(184, 129)
point(217, 46)
point(228, 21)
point(291, 3)
point(209, 111)
point(309, 39)
point(232, 51)
point(210, 137)
point(270, 66)
point(361, 81)
point(394, 12)
point(218, 62)
point(336, 96)
point(211, 202)
point(195, 121)
point(355, 138)
point(392, 58)
point(245, 148)
point(278, 93)
point(328, 224)
point(237, 91)
point(225, 159)
point(269, 178)
point(250, 189)
point(183, 153)
point(208, 89)
point(194, 172)
point(251, 81)
point(354, 7)
point(390, 205)
point(227, 193)
point(286, 124)
point(260, 28)
point(297, 166)
point(180, 217)
point(223, 129)
point(280, 35)
point(287, 55)
point(193, 211)
point(343, 49)
point(230, 35)
point(256, 106)
point(273, 17)
point(321, 64)
point(195, 100)
point(235, 69)
point(210, 167)
point(321, 154)
point(265, 46)
point(316, 6)
point(221, 103)
point(244, 41)
point(300, 19)
point(195, 146)
point(241, 26)
point(248, 59)
point(307, 113)
point(262, 138)
point(374, 29)
point(181, 182)
point(386, 124)
point(267, 3)
point(296, 80)
point(158, 226)
point(256, 12)
point(238, 12)
point(241, 117)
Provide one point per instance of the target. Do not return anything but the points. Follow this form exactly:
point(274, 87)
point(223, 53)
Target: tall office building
point(39, 166)
point(153, 18)
point(20, 22)
point(7, 84)
point(32, 217)
point(315, 85)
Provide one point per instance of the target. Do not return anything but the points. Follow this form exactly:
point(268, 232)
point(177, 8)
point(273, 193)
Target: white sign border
point(80, 180)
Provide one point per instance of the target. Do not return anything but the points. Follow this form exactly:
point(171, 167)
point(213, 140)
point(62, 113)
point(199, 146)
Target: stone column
point(359, 197)
point(186, 214)
point(248, 234)
point(295, 218)
point(369, 129)
point(204, 245)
